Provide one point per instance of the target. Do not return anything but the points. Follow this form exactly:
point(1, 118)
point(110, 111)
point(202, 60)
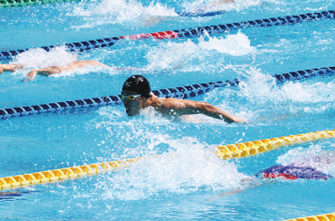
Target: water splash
point(173, 55)
point(39, 58)
point(219, 5)
point(125, 12)
point(190, 168)
point(319, 157)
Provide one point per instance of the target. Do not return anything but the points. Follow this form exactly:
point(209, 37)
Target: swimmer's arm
point(185, 107)
point(48, 71)
point(10, 67)
point(31, 75)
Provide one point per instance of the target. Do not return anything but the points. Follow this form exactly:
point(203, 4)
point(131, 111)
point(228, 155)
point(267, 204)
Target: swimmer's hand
point(31, 76)
point(1, 70)
point(240, 120)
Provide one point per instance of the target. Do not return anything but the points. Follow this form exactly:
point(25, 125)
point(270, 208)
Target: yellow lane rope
point(324, 217)
point(63, 174)
point(224, 152)
point(240, 150)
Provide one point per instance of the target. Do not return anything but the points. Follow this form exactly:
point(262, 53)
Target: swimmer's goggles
point(130, 97)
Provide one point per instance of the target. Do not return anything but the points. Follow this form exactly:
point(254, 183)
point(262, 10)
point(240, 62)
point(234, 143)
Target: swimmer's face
point(132, 102)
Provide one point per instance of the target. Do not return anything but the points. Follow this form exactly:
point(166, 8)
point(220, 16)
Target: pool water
point(189, 184)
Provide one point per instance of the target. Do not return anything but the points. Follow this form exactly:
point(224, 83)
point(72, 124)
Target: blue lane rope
point(177, 92)
point(187, 33)
point(200, 13)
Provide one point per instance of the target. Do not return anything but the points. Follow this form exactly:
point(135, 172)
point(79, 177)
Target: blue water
point(187, 186)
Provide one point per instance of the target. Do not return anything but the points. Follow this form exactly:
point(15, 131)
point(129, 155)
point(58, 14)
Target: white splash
point(177, 55)
point(219, 5)
point(123, 9)
point(39, 58)
point(126, 12)
point(190, 168)
point(235, 45)
point(260, 87)
point(315, 156)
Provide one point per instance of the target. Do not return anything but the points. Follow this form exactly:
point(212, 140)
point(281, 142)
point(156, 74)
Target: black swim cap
point(137, 84)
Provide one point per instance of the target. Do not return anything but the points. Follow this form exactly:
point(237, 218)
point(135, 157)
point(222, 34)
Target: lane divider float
point(230, 151)
point(63, 174)
point(186, 33)
point(177, 92)
point(245, 149)
point(20, 3)
point(324, 217)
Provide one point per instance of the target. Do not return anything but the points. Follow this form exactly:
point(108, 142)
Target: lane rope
point(176, 92)
point(185, 33)
point(20, 3)
point(324, 217)
point(245, 149)
point(230, 151)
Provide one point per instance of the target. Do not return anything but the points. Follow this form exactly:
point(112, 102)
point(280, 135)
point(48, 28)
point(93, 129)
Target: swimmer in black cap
point(136, 95)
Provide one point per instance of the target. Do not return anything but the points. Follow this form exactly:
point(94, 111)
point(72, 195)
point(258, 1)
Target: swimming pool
point(188, 185)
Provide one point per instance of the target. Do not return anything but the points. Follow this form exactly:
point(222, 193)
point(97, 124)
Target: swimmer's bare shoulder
point(185, 107)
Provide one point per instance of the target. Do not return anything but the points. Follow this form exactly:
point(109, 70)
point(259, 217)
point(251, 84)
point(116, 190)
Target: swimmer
point(57, 69)
point(209, 9)
point(293, 171)
point(10, 67)
point(51, 70)
point(136, 95)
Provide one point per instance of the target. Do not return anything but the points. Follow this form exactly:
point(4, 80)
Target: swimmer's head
point(138, 85)
point(134, 92)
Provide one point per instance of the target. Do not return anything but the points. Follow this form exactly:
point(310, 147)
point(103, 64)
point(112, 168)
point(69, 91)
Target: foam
point(189, 168)
point(173, 55)
point(215, 5)
point(124, 12)
point(318, 157)
point(261, 88)
point(39, 58)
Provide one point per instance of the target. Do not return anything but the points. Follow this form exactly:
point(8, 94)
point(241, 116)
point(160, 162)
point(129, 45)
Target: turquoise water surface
point(189, 185)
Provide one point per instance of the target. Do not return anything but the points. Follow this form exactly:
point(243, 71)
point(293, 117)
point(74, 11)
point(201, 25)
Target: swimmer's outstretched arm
point(10, 67)
point(185, 107)
point(57, 69)
point(47, 71)
point(248, 183)
point(73, 66)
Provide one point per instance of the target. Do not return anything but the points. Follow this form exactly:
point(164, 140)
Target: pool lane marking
point(245, 149)
point(323, 217)
point(20, 3)
point(225, 152)
point(185, 33)
point(64, 173)
point(184, 92)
